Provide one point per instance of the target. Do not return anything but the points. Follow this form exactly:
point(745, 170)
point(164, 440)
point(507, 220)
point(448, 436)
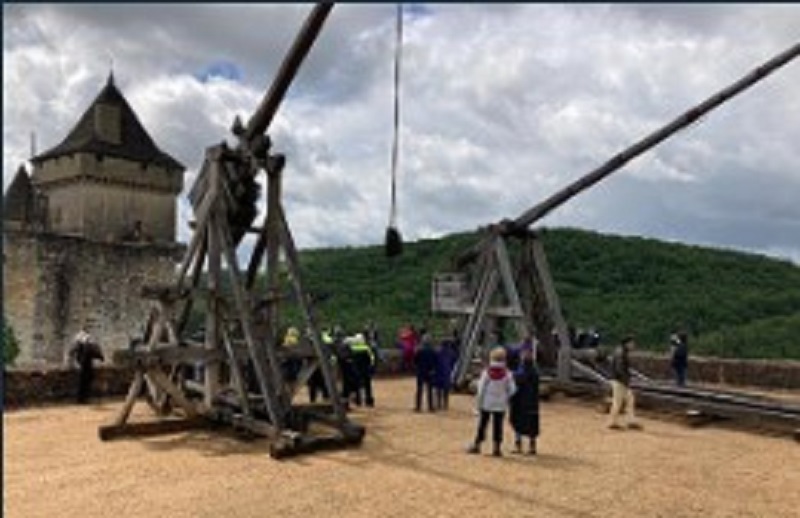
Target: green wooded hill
point(732, 304)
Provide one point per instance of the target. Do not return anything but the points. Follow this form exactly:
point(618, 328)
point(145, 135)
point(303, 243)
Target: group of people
point(356, 357)
point(509, 383)
point(502, 388)
point(434, 365)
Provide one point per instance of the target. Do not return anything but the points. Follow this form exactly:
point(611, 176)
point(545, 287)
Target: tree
point(10, 345)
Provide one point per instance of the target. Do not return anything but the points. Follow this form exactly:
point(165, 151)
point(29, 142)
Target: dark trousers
point(85, 377)
point(424, 385)
point(363, 368)
point(680, 375)
point(316, 385)
point(497, 426)
point(442, 398)
point(349, 378)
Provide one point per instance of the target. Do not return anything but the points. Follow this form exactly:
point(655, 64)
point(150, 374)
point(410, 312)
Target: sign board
point(449, 293)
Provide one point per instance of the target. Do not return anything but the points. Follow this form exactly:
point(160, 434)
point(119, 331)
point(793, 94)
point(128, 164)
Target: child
point(525, 403)
point(495, 387)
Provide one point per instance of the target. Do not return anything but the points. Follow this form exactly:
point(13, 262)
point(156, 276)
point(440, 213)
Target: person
point(291, 366)
point(316, 382)
point(84, 352)
point(363, 362)
point(373, 339)
point(446, 357)
point(679, 360)
point(495, 387)
point(621, 393)
point(425, 361)
point(594, 338)
point(524, 410)
point(407, 341)
point(347, 371)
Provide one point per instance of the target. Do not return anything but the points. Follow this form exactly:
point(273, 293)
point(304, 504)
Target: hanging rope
point(394, 241)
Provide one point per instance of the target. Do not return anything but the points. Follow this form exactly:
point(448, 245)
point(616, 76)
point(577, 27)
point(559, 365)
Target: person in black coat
point(679, 357)
point(524, 412)
point(84, 352)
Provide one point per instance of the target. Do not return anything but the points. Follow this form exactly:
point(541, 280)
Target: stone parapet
point(29, 387)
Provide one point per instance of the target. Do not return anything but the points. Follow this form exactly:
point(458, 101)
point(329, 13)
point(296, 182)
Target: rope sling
point(394, 241)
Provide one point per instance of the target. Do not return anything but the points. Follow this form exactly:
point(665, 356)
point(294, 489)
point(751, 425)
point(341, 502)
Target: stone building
point(92, 223)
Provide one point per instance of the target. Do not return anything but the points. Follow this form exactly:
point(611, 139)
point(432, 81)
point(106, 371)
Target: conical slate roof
point(134, 144)
point(18, 202)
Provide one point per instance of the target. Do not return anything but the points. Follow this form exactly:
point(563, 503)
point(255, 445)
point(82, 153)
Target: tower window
point(107, 123)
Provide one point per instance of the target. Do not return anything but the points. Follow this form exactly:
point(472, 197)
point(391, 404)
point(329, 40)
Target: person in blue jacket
point(446, 357)
point(425, 361)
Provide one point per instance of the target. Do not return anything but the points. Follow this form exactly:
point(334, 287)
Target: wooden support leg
point(163, 382)
point(133, 393)
point(321, 349)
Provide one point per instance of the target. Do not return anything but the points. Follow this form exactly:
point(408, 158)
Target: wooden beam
point(321, 349)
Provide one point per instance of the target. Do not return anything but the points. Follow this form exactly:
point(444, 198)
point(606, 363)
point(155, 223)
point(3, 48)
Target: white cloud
point(502, 105)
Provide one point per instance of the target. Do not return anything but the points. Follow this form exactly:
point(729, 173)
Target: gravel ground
point(410, 465)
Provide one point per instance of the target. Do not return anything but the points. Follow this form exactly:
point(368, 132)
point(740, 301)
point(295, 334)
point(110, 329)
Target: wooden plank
point(236, 372)
point(275, 408)
point(212, 336)
point(510, 286)
point(553, 304)
point(494, 311)
point(166, 355)
point(487, 284)
point(133, 392)
point(160, 379)
point(322, 350)
point(151, 428)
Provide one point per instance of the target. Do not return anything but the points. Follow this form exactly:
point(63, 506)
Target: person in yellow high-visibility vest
point(363, 360)
point(291, 366)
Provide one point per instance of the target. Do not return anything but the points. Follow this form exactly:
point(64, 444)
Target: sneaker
point(615, 427)
point(635, 426)
point(474, 449)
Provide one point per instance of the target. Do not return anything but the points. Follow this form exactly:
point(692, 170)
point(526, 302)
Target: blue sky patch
point(220, 69)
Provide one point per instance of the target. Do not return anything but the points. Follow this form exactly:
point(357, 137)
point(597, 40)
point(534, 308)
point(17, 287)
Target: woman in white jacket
point(495, 388)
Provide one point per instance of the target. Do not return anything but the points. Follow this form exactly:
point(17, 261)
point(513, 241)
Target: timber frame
point(233, 374)
point(531, 277)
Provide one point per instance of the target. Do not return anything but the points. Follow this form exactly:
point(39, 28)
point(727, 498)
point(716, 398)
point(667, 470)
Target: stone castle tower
point(93, 223)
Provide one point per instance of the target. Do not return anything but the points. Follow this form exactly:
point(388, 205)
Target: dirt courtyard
point(410, 465)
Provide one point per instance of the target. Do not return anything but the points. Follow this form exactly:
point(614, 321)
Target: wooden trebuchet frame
point(497, 287)
point(233, 373)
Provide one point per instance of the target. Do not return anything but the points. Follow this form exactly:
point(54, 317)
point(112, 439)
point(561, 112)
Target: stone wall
point(54, 285)
point(30, 387)
point(100, 197)
point(26, 387)
point(784, 374)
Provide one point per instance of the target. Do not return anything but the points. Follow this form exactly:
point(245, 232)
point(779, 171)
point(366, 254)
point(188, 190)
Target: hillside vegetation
point(732, 304)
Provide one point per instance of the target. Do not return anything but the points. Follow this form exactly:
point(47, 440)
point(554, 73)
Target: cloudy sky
point(501, 106)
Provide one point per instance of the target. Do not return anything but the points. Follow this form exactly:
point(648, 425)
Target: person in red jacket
point(408, 340)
